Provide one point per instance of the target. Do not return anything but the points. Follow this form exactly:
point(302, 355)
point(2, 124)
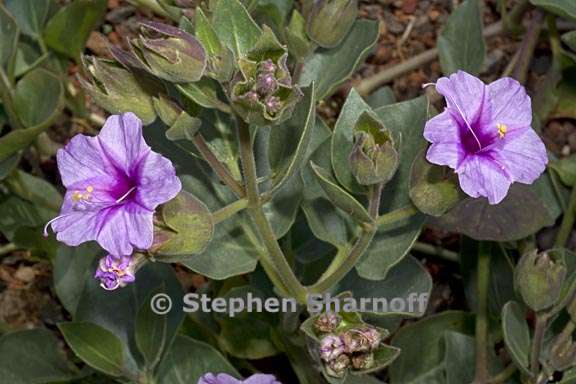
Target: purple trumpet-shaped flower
point(223, 378)
point(485, 135)
point(114, 183)
point(115, 272)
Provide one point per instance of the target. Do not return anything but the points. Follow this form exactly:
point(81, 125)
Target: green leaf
point(389, 246)
point(564, 8)
point(188, 360)
point(288, 142)
point(407, 281)
point(19, 139)
point(330, 21)
point(191, 227)
point(461, 44)
point(31, 15)
point(516, 334)
point(422, 346)
point(343, 139)
point(72, 266)
point(433, 189)
point(36, 190)
point(9, 32)
point(298, 42)
point(205, 93)
point(151, 332)
point(38, 97)
point(235, 27)
point(566, 169)
point(220, 58)
point(328, 224)
point(34, 357)
point(247, 335)
point(8, 165)
point(68, 31)
point(570, 39)
point(96, 346)
point(331, 68)
point(340, 197)
point(183, 128)
point(511, 220)
point(16, 213)
point(116, 313)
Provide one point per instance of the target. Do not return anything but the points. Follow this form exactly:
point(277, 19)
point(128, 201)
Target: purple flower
point(114, 183)
point(223, 378)
point(115, 272)
point(485, 135)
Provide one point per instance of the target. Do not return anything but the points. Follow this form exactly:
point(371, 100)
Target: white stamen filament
point(466, 121)
point(125, 195)
point(51, 221)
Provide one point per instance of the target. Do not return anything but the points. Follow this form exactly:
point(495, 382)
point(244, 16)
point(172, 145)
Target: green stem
point(527, 48)
point(397, 215)
point(230, 210)
point(482, 342)
point(504, 375)
point(567, 222)
point(537, 341)
point(275, 257)
point(433, 250)
point(6, 95)
point(7, 248)
point(219, 168)
point(337, 273)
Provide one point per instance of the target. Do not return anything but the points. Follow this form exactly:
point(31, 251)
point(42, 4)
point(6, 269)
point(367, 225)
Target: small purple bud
point(116, 272)
point(363, 361)
point(361, 339)
point(266, 84)
point(327, 322)
point(251, 97)
point(331, 347)
point(268, 66)
point(338, 366)
point(273, 104)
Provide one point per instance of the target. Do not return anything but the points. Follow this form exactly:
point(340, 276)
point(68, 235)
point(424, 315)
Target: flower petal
point(260, 378)
point(510, 105)
point(82, 159)
point(158, 182)
point(523, 154)
point(482, 176)
point(442, 128)
point(450, 154)
point(464, 93)
point(121, 139)
point(221, 378)
point(124, 227)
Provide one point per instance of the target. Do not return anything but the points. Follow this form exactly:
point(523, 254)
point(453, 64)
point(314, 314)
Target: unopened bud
point(374, 158)
point(118, 90)
point(266, 84)
point(363, 339)
point(172, 54)
point(327, 322)
point(267, 66)
point(331, 347)
point(563, 353)
point(539, 279)
point(329, 21)
point(363, 361)
point(338, 366)
point(273, 104)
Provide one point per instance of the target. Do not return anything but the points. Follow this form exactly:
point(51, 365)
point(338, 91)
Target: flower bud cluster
point(350, 348)
point(264, 88)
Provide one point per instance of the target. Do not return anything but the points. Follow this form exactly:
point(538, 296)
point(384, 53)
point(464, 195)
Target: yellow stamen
point(90, 189)
point(77, 196)
point(502, 128)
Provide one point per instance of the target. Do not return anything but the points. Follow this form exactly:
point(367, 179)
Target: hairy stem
point(275, 256)
point(230, 210)
point(6, 96)
point(482, 342)
point(527, 47)
point(537, 341)
point(337, 273)
point(503, 376)
point(433, 250)
point(567, 222)
point(219, 168)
